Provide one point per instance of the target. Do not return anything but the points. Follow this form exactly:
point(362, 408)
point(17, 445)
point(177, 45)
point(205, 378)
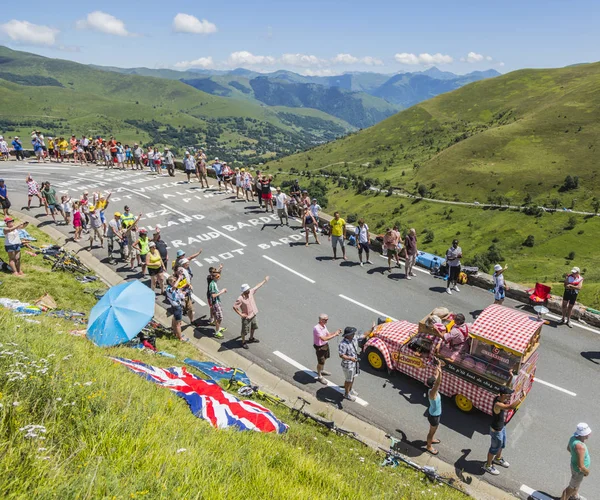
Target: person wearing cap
point(315, 208)
point(453, 256)
point(161, 246)
point(4, 201)
point(189, 166)
point(33, 189)
point(498, 429)
point(176, 298)
point(169, 161)
point(12, 244)
point(337, 234)
point(102, 201)
point(434, 412)
point(18, 148)
point(580, 461)
point(142, 246)
point(573, 283)
point(215, 300)
point(499, 285)
point(156, 267)
point(95, 227)
point(180, 255)
point(245, 307)
point(49, 195)
point(321, 338)
point(201, 169)
point(348, 351)
point(217, 167)
point(4, 152)
point(113, 233)
point(281, 203)
point(129, 223)
point(38, 150)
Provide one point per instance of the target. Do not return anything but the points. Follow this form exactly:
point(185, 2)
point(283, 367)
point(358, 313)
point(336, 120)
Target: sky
point(313, 37)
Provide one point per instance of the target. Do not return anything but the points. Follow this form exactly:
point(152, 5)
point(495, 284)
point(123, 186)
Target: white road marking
point(297, 365)
point(555, 387)
point(379, 313)
point(288, 269)
point(226, 236)
point(534, 494)
point(135, 192)
point(198, 300)
point(575, 323)
point(175, 211)
point(415, 267)
point(39, 165)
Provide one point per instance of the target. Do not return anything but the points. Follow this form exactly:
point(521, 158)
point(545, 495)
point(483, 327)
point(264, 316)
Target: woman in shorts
point(248, 186)
point(309, 223)
point(12, 244)
point(33, 189)
point(573, 283)
point(156, 267)
point(227, 177)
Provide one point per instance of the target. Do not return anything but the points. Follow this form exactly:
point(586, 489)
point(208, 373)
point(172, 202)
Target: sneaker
point(349, 397)
point(569, 324)
point(321, 380)
point(456, 289)
point(413, 274)
point(448, 291)
point(353, 392)
point(327, 374)
point(408, 278)
point(222, 330)
point(361, 264)
point(219, 335)
point(211, 322)
point(491, 470)
point(501, 462)
point(245, 345)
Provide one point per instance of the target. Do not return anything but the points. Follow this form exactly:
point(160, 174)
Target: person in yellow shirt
point(101, 202)
point(63, 145)
point(338, 233)
point(51, 148)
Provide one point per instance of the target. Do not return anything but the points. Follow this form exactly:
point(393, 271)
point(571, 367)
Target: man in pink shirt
point(245, 307)
point(321, 337)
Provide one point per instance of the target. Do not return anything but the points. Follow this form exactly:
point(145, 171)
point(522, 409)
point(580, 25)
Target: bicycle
point(247, 390)
point(394, 457)
point(66, 261)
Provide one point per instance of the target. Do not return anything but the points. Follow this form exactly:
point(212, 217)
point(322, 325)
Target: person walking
point(363, 237)
point(138, 153)
point(434, 412)
point(573, 283)
point(453, 256)
point(348, 351)
point(217, 308)
point(245, 307)
point(156, 267)
point(33, 189)
point(4, 201)
point(49, 195)
point(321, 338)
point(13, 244)
point(580, 461)
point(499, 284)
point(410, 253)
point(309, 223)
point(337, 234)
point(217, 167)
point(390, 245)
point(281, 203)
point(169, 162)
point(189, 165)
point(498, 430)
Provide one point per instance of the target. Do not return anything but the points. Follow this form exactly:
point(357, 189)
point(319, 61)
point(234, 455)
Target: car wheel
point(376, 359)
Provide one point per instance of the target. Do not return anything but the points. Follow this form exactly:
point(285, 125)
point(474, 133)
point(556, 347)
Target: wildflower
point(181, 450)
point(88, 383)
point(42, 449)
point(16, 403)
point(68, 356)
point(58, 399)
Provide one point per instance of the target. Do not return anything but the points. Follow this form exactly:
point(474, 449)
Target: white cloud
point(201, 62)
point(474, 57)
point(26, 32)
point(501, 64)
point(245, 58)
point(104, 23)
point(488, 58)
point(303, 60)
point(371, 61)
point(350, 59)
point(424, 59)
point(186, 23)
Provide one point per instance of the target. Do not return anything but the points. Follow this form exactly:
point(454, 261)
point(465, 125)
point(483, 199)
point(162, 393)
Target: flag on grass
point(207, 400)
point(218, 372)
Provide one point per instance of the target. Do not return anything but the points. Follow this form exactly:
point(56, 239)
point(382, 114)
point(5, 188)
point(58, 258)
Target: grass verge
point(107, 433)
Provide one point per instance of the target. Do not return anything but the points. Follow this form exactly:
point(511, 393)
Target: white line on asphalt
point(574, 323)
point(39, 165)
point(533, 494)
point(175, 211)
point(226, 236)
point(135, 192)
point(198, 300)
point(555, 387)
point(414, 267)
point(367, 307)
point(297, 365)
point(288, 269)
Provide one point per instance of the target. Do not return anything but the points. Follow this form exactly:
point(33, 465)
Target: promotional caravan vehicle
point(501, 351)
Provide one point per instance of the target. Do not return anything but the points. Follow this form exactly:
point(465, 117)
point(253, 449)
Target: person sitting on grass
point(12, 244)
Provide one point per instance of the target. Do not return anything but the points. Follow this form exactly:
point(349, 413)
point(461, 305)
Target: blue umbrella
point(121, 314)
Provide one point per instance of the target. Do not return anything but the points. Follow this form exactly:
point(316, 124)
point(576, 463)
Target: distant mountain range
point(360, 99)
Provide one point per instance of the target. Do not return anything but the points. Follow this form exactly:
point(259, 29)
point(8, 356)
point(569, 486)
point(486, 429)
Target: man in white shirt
point(137, 156)
point(281, 201)
point(362, 240)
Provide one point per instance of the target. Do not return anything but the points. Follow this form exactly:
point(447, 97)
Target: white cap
point(575, 270)
point(184, 261)
point(497, 267)
point(151, 244)
point(245, 287)
point(187, 152)
point(216, 158)
point(583, 430)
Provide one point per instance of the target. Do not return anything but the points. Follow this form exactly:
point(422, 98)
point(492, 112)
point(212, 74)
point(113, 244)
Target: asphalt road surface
point(306, 281)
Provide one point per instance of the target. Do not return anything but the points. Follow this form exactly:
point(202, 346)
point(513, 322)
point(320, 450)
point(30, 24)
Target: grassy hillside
point(72, 97)
point(511, 139)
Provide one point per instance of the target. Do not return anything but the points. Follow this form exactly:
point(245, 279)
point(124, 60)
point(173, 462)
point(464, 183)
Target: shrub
point(529, 241)
point(571, 222)
point(571, 256)
point(351, 218)
point(429, 236)
point(569, 183)
point(422, 190)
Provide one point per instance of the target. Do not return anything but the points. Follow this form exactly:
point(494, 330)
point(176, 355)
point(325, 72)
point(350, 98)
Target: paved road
point(306, 281)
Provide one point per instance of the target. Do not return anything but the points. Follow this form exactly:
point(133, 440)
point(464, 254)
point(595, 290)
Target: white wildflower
point(16, 403)
point(58, 399)
point(181, 450)
point(42, 449)
point(88, 383)
point(51, 355)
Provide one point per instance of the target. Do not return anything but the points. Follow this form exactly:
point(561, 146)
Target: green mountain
point(529, 138)
point(65, 97)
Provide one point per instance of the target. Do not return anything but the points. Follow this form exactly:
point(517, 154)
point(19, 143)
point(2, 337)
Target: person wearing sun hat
point(12, 244)
point(573, 283)
point(348, 351)
point(580, 461)
point(245, 307)
point(499, 284)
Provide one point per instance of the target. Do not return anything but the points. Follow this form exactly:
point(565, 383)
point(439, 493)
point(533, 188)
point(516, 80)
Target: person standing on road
point(363, 238)
point(337, 234)
point(309, 223)
point(434, 412)
point(257, 188)
point(410, 250)
point(95, 227)
point(348, 351)
point(453, 256)
point(4, 152)
point(580, 461)
point(265, 190)
point(499, 285)
point(315, 208)
point(49, 195)
point(201, 170)
point(498, 430)
point(217, 308)
point(161, 246)
point(218, 169)
point(189, 165)
point(176, 297)
point(138, 152)
point(32, 190)
point(321, 338)
point(156, 268)
point(169, 162)
point(18, 148)
point(281, 202)
point(142, 246)
point(390, 245)
point(114, 233)
point(573, 283)
point(4, 201)
point(245, 307)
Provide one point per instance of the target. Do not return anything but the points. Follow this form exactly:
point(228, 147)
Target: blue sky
point(310, 36)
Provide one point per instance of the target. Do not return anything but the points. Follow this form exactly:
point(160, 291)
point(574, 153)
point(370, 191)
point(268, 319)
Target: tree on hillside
point(569, 184)
point(528, 199)
point(596, 205)
point(422, 190)
point(571, 222)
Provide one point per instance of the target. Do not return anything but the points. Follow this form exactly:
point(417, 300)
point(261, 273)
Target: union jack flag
point(207, 400)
